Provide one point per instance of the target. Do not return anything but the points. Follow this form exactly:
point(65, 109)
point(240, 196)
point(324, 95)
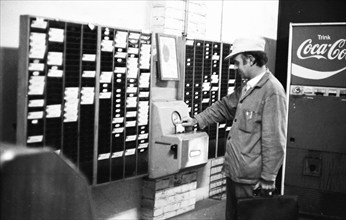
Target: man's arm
point(221, 110)
point(273, 138)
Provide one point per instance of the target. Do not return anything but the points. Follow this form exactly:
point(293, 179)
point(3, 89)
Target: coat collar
point(264, 79)
point(260, 83)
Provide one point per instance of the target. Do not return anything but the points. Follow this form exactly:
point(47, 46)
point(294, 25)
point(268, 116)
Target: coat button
point(235, 120)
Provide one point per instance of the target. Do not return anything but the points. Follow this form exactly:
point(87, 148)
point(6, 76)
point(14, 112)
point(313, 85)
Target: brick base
point(169, 196)
point(217, 187)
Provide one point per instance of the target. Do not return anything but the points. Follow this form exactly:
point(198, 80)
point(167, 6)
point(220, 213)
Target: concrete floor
point(210, 209)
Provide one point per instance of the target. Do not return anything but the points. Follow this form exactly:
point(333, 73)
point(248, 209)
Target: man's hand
point(267, 185)
point(188, 121)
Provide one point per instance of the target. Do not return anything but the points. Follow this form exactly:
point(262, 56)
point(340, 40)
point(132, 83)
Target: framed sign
point(168, 68)
point(317, 54)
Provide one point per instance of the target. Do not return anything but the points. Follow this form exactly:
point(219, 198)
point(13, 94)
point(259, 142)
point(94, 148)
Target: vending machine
point(315, 163)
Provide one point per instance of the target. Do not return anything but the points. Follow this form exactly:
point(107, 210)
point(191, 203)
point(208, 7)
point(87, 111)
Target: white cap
point(246, 44)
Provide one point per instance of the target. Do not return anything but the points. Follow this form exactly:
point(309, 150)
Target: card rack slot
point(87, 100)
point(221, 141)
point(36, 83)
point(54, 84)
point(105, 107)
point(130, 162)
point(53, 133)
point(103, 169)
point(224, 88)
point(86, 140)
point(35, 128)
point(105, 121)
point(189, 69)
point(142, 163)
point(198, 78)
point(214, 90)
point(73, 54)
point(71, 91)
point(131, 106)
point(143, 105)
point(206, 73)
point(106, 61)
point(38, 24)
point(119, 103)
point(70, 142)
point(117, 166)
point(205, 102)
point(212, 130)
point(225, 70)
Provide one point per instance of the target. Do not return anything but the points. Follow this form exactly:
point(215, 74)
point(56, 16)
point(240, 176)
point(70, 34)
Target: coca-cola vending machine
point(315, 164)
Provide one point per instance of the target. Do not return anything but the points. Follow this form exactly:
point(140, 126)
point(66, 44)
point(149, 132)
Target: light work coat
point(257, 140)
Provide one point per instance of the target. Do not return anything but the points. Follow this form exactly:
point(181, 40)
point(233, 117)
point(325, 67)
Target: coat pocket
point(249, 121)
point(251, 166)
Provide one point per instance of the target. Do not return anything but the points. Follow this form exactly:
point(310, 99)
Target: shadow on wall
point(8, 93)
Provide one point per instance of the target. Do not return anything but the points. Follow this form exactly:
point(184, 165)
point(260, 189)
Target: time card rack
point(84, 91)
point(209, 77)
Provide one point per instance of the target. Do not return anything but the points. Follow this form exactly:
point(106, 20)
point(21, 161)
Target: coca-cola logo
point(330, 51)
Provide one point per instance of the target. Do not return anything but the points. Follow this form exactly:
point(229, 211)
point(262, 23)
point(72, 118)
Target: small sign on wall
point(167, 57)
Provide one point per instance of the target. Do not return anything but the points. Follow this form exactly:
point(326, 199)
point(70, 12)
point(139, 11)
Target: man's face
point(242, 67)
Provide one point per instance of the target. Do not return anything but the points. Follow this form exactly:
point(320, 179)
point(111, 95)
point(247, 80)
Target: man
point(256, 142)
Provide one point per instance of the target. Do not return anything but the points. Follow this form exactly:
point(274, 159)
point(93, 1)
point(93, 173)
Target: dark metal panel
point(317, 123)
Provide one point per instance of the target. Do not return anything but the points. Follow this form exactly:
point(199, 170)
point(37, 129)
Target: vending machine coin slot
point(343, 93)
point(320, 92)
point(312, 166)
point(308, 90)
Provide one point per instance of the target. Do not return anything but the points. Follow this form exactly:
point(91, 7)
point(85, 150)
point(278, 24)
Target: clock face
point(176, 119)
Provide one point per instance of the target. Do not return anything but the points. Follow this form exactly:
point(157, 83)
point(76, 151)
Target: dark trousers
point(234, 191)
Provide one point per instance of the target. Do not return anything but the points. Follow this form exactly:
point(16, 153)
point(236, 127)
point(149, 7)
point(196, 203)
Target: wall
point(252, 18)
point(225, 20)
